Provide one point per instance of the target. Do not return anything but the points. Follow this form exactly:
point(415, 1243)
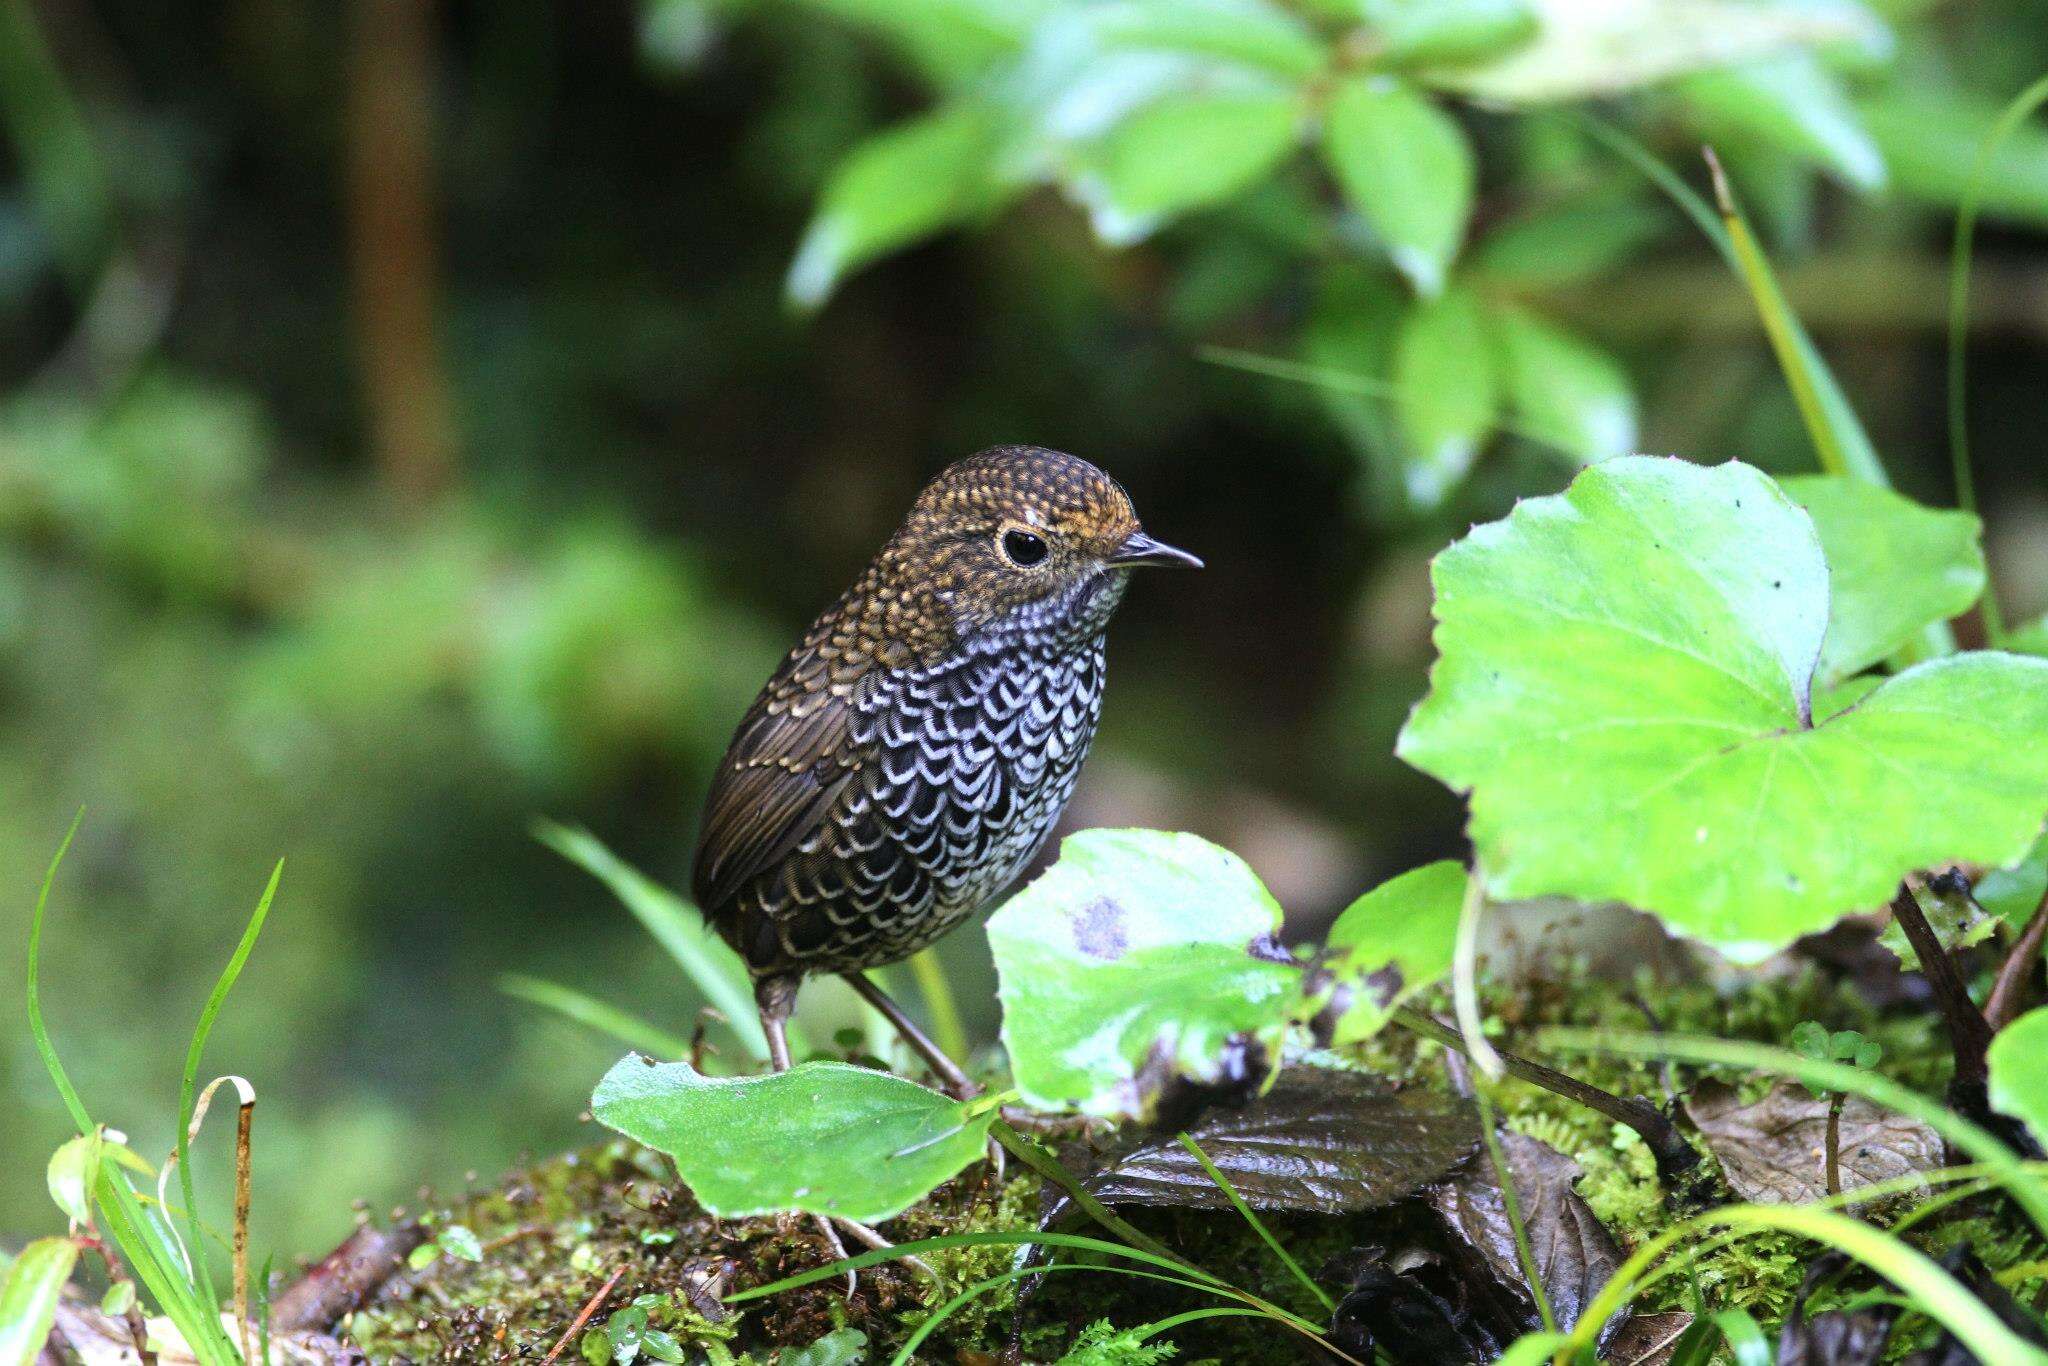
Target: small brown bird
point(915, 749)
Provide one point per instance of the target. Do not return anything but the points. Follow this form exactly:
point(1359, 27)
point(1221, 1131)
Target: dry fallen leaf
point(1774, 1151)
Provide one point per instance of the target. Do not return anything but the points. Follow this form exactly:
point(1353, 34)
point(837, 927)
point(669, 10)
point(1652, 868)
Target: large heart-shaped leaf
point(1893, 567)
point(1625, 688)
point(1140, 957)
point(1396, 940)
point(825, 1137)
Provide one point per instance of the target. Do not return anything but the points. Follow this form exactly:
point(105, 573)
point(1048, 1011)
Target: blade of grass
point(202, 1274)
point(1511, 1202)
point(1223, 1184)
point(712, 967)
point(2015, 113)
point(1937, 1293)
point(58, 1077)
point(906, 1352)
point(991, 1238)
point(1047, 1166)
point(1840, 431)
point(627, 1028)
point(1841, 445)
point(947, 1030)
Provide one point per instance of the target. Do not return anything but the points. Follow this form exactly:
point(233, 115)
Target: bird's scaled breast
point(976, 758)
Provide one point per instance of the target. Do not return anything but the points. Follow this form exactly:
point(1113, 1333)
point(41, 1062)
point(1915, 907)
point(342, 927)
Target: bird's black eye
point(1023, 548)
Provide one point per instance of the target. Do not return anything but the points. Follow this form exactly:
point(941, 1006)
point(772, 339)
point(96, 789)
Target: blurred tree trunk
point(394, 259)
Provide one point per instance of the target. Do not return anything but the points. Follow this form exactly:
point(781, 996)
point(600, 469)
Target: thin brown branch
point(1678, 1162)
point(2009, 991)
point(590, 1306)
point(345, 1278)
point(1969, 1034)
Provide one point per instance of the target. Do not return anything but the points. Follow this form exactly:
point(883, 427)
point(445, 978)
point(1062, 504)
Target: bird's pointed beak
point(1142, 549)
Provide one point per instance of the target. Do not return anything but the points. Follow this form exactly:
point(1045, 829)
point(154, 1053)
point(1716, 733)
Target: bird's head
point(1019, 539)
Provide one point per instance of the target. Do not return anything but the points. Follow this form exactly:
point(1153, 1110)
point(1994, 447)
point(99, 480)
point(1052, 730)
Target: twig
point(582, 1317)
point(2009, 992)
point(344, 1279)
point(1678, 1162)
point(1969, 1034)
point(1834, 1151)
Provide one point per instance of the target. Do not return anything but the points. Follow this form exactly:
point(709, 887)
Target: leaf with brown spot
point(1774, 1151)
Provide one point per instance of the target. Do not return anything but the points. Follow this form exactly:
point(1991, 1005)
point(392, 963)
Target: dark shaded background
point(429, 447)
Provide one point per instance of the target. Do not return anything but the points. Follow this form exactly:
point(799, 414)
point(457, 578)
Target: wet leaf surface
point(1321, 1141)
point(1575, 1254)
point(1850, 1336)
point(1141, 959)
point(1388, 1308)
point(1775, 1150)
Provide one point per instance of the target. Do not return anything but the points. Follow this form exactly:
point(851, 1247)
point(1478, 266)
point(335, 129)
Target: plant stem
point(1677, 1160)
point(1835, 1144)
point(1969, 1034)
point(2009, 992)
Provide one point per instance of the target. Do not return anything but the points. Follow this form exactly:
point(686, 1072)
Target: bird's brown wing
point(790, 761)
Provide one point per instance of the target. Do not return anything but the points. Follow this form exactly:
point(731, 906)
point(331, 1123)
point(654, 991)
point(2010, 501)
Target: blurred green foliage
point(711, 287)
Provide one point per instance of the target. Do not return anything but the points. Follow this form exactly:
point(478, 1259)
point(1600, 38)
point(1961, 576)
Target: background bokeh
point(406, 432)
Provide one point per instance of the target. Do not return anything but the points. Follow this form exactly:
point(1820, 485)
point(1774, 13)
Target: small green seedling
point(1811, 1039)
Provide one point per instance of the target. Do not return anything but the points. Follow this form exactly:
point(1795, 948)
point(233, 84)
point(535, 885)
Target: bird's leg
point(776, 998)
point(958, 1084)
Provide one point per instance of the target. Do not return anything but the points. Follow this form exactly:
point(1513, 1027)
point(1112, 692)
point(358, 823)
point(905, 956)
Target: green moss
point(554, 1234)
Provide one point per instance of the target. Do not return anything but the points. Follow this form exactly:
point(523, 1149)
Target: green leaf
point(1564, 391)
point(1569, 242)
point(1586, 51)
point(459, 1242)
point(1403, 933)
point(1408, 169)
point(118, 1300)
point(28, 1298)
point(949, 41)
point(1624, 685)
point(1418, 33)
point(930, 173)
point(825, 1137)
point(2019, 1071)
point(1248, 33)
point(1894, 568)
point(73, 1172)
point(1137, 957)
point(1177, 154)
point(1791, 103)
point(2014, 893)
point(706, 960)
point(1446, 393)
point(840, 1347)
point(1930, 139)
